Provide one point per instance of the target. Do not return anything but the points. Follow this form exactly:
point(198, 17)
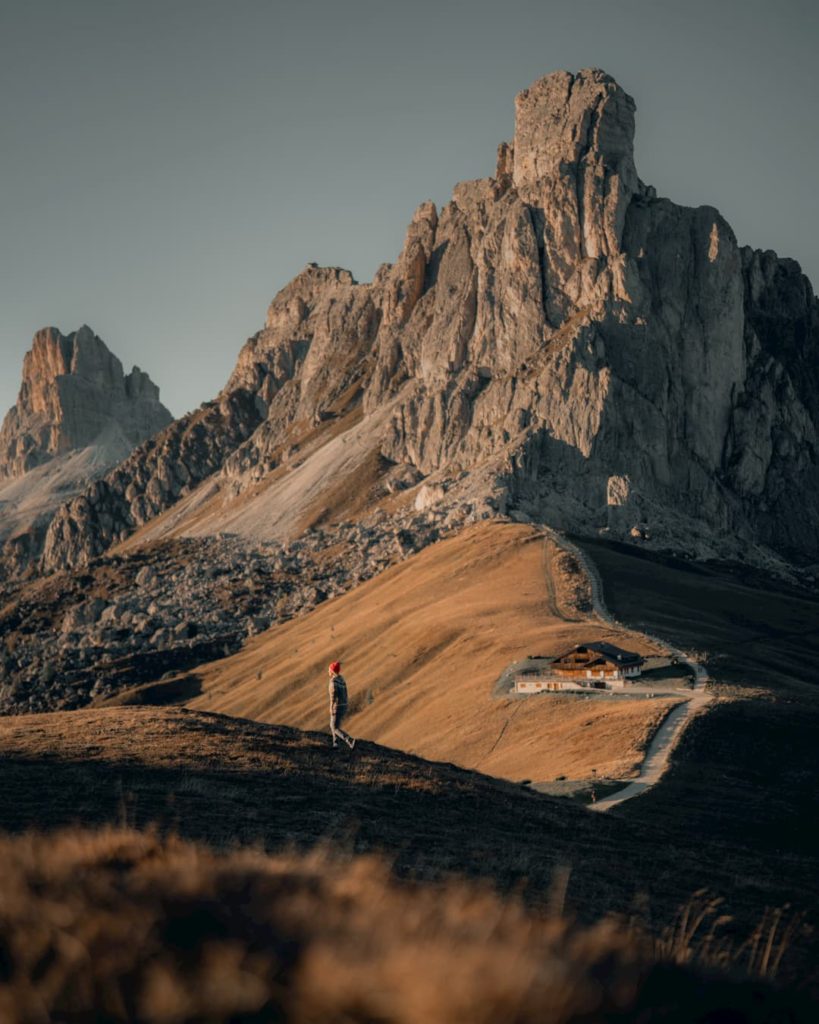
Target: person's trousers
point(337, 714)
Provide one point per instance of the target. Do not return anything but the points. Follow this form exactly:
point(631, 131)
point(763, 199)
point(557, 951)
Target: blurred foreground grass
point(123, 925)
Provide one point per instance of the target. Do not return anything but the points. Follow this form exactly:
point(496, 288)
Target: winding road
point(665, 739)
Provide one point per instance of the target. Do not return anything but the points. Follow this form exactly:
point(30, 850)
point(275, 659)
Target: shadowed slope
point(746, 771)
point(755, 631)
point(224, 781)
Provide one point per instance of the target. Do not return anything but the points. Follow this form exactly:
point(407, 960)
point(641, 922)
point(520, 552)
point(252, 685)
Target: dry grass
point(121, 926)
point(698, 935)
point(422, 646)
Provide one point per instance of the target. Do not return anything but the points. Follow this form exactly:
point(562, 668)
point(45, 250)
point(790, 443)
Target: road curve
point(667, 736)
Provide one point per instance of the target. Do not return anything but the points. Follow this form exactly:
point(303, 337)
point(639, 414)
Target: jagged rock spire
point(74, 392)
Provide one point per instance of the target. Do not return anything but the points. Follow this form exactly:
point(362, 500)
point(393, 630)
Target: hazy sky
point(167, 165)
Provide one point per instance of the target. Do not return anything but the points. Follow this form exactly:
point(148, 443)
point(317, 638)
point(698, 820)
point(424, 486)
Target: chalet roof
point(609, 651)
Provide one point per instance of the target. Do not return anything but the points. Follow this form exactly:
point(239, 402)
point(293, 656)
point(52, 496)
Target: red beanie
point(335, 667)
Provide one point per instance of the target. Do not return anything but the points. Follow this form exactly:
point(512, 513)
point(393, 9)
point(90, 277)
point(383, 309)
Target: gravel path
point(666, 738)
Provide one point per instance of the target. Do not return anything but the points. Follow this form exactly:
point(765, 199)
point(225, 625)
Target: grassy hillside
point(422, 646)
point(732, 822)
point(224, 780)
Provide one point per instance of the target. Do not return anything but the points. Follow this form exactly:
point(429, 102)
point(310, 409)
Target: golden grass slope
point(422, 646)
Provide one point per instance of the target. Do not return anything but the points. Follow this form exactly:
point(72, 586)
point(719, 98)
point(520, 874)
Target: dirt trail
point(667, 736)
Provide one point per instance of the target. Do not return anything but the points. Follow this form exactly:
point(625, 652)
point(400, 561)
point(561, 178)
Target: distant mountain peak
point(74, 391)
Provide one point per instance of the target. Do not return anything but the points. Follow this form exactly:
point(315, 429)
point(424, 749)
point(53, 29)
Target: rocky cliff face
point(155, 475)
point(74, 393)
point(584, 331)
point(557, 339)
point(76, 416)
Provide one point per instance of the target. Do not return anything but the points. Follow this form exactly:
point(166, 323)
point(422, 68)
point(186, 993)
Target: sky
point(166, 166)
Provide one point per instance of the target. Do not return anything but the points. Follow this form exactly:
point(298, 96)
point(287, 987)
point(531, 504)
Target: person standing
point(338, 705)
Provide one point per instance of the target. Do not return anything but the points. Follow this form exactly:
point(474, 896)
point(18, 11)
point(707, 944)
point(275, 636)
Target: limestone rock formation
point(74, 394)
point(77, 415)
point(150, 480)
point(556, 341)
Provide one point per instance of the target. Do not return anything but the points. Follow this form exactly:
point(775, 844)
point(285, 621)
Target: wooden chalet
point(597, 661)
point(599, 666)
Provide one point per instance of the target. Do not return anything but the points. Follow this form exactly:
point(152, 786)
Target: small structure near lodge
point(598, 666)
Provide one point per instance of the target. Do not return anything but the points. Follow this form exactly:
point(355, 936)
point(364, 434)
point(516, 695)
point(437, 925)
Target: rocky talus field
point(134, 616)
point(407, 475)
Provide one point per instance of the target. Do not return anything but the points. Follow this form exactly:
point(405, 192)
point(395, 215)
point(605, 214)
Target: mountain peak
point(73, 391)
point(563, 119)
point(574, 148)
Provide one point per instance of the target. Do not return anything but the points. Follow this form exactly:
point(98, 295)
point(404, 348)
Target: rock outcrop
point(74, 393)
point(557, 341)
point(153, 477)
